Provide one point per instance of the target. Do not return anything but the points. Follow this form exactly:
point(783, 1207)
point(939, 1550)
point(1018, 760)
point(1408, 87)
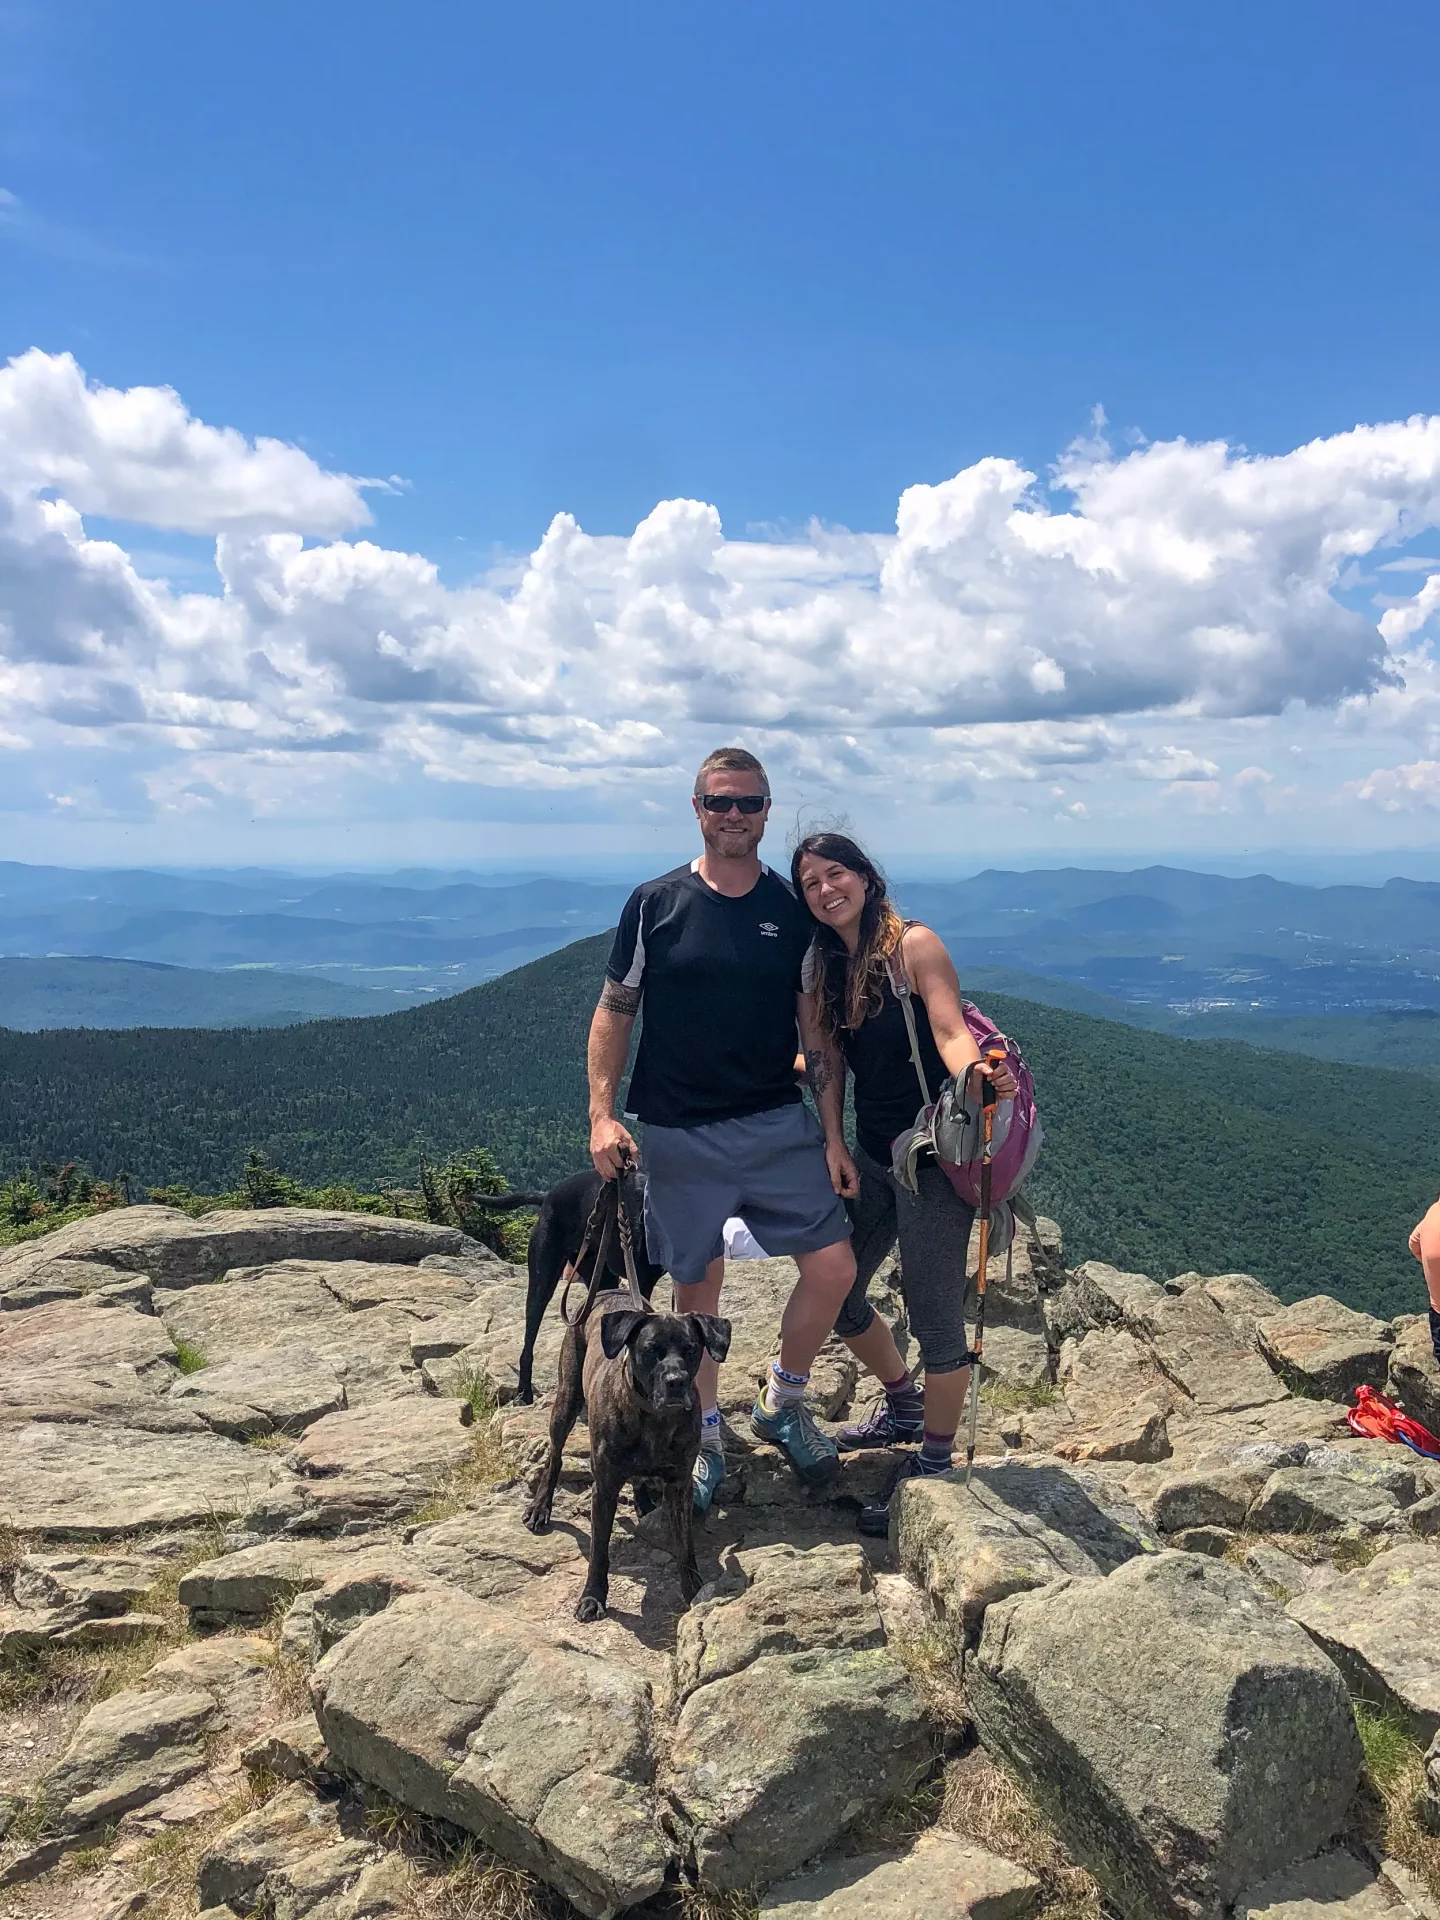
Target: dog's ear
point(617, 1330)
point(714, 1334)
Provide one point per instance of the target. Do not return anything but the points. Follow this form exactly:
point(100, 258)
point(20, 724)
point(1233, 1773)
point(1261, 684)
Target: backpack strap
point(900, 987)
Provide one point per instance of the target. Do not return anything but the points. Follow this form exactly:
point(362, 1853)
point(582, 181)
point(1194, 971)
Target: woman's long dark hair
point(850, 987)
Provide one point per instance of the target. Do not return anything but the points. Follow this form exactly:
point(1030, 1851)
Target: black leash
point(608, 1213)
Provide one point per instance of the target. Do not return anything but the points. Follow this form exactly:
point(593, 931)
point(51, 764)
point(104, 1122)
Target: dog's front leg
point(604, 1498)
point(569, 1398)
point(680, 1505)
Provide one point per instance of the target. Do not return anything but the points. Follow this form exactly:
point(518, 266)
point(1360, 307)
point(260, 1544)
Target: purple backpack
point(952, 1125)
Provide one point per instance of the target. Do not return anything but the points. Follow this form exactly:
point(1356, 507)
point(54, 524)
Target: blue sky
point(782, 260)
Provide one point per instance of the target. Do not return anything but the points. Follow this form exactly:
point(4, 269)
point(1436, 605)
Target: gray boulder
point(779, 1599)
point(453, 1707)
point(770, 1765)
point(1333, 1886)
point(1239, 1296)
point(1017, 1526)
point(1319, 1346)
point(76, 1334)
point(940, 1876)
point(127, 1750)
point(1175, 1729)
point(1374, 1624)
point(1109, 1296)
point(1221, 1497)
point(1306, 1500)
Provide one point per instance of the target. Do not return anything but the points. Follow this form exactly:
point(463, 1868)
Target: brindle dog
point(635, 1375)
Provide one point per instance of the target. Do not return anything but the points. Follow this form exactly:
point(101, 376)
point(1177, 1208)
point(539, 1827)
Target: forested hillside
point(1162, 1154)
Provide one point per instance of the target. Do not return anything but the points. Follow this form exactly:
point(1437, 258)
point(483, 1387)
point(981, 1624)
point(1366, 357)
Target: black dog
point(635, 1375)
point(556, 1240)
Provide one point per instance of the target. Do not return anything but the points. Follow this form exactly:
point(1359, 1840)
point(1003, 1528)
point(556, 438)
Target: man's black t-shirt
point(718, 979)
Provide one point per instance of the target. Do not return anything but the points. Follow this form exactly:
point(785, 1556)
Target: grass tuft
point(189, 1358)
point(932, 1660)
point(1385, 1816)
point(489, 1465)
point(984, 1803)
point(1014, 1396)
point(704, 1903)
point(453, 1877)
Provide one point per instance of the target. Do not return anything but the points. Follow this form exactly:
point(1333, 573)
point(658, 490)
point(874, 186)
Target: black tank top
point(887, 1093)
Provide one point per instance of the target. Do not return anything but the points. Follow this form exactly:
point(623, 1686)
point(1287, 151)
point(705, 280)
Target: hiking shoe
point(874, 1521)
point(706, 1479)
point(813, 1455)
point(884, 1428)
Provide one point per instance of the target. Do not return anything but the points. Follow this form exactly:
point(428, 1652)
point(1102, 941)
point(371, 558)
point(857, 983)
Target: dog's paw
point(590, 1609)
point(537, 1519)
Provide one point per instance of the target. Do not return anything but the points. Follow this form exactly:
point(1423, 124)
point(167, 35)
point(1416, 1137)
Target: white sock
point(710, 1436)
point(782, 1388)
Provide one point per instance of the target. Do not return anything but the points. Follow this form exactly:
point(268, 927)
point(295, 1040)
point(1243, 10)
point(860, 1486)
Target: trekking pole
point(994, 1057)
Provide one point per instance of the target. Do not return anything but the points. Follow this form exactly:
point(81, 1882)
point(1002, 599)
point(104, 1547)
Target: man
point(713, 952)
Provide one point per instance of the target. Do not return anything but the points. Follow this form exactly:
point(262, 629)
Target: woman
point(860, 936)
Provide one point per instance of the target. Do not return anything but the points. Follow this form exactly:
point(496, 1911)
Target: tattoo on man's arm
point(818, 1070)
point(616, 997)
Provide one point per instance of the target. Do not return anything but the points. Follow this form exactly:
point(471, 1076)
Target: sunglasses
point(723, 802)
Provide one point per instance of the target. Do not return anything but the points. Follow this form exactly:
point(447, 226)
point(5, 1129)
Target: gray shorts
point(767, 1167)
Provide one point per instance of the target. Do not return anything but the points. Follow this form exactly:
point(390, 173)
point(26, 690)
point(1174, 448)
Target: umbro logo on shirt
point(769, 929)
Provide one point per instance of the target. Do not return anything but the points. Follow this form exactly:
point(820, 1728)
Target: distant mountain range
point(36, 994)
point(1160, 1155)
point(1197, 953)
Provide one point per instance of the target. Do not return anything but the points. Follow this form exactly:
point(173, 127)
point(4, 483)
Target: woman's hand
point(844, 1174)
point(1004, 1081)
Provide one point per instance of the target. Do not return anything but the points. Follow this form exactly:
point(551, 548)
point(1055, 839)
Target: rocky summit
point(274, 1640)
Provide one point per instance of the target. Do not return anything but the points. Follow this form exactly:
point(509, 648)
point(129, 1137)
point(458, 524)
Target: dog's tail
point(507, 1202)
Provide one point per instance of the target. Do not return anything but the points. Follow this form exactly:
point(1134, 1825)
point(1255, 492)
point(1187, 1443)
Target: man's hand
point(610, 1146)
point(844, 1174)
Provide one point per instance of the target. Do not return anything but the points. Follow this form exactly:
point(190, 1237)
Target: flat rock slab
point(111, 1393)
point(286, 1384)
point(1017, 1526)
point(80, 1481)
point(543, 1753)
point(246, 1587)
point(404, 1438)
point(1239, 1296)
point(1319, 1346)
point(1176, 1730)
point(941, 1876)
point(76, 1334)
point(96, 1583)
point(290, 1303)
point(1111, 1375)
point(1201, 1351)
point(176, 1251)
point(1333, 1886)
point(1373, 1623)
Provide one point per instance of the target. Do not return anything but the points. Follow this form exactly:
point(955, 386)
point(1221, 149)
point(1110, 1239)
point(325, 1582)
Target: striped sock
point(935, 1453)
point(710, 1439)
point(782, 1388)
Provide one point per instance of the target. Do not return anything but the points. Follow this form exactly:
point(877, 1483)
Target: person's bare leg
point(825, 1278)
point(704, 1297)
point(876, 1349)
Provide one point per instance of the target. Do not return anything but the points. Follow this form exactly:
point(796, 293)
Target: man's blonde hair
point(731, 760)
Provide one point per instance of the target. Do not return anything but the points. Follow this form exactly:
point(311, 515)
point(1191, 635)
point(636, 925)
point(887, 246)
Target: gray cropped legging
point(933, 1229)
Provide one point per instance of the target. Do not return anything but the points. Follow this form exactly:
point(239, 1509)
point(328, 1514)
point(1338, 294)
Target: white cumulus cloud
point(1008, 631)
